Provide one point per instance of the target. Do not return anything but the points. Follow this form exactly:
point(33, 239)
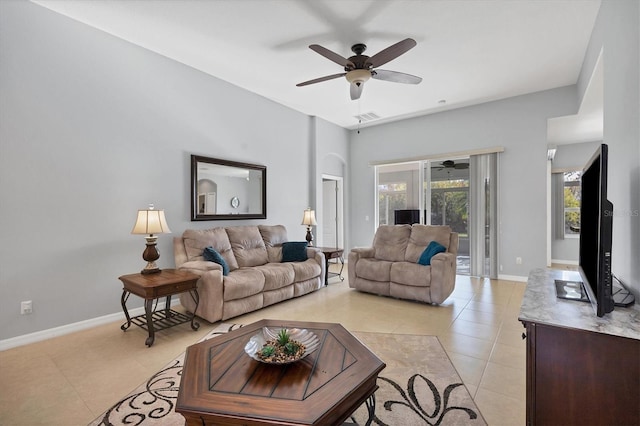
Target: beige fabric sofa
point(390, 267)
point(257, 278)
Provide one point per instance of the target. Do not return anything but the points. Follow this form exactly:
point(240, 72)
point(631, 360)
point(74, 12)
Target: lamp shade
point(151, 222)
point(309, 217)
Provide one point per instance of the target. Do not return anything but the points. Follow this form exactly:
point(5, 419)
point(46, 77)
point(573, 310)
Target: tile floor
point(70, 380)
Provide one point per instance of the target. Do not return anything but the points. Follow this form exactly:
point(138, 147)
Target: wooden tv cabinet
point(581, 369)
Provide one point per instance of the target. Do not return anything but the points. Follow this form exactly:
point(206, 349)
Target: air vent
point(367, 116)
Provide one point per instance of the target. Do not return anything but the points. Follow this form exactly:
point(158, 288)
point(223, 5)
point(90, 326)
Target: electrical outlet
point(518, 261)
point(26, 307)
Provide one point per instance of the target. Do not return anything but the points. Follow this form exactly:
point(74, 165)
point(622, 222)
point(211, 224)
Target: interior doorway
point(332, 211)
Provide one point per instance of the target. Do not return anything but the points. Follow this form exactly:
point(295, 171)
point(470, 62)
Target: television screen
point(409, 217)
point(596, 226)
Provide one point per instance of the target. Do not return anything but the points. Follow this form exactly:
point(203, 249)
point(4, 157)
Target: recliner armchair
point(390, 267)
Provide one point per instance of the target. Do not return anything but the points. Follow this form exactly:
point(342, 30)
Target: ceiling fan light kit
point(358, 76)
point(360, 68)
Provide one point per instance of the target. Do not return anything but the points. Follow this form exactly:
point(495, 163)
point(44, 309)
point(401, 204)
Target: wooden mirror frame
point(243, 168)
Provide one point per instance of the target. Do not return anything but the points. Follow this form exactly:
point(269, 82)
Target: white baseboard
point(518, 278)
point(38, 336)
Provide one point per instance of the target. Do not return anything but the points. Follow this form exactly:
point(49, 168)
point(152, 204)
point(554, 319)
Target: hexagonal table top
point(221, 384)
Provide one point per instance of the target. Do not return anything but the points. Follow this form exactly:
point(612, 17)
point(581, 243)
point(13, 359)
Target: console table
point(581, 369)
point(151, 287)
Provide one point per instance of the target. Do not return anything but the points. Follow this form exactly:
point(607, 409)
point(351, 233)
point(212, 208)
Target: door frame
point(339, 225)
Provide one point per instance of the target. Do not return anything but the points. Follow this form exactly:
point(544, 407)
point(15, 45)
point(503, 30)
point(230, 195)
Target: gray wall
point(518, 124)
point(92, 128)
point(332, 154)
point(617, 35)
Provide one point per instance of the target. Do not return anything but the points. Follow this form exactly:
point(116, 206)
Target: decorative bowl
point(301, 335)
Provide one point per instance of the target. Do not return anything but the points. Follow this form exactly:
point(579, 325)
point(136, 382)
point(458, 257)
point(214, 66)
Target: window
point(391, 196)
point(572, 204)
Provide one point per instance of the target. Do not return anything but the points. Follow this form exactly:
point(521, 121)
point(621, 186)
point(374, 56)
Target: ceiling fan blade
point(396, 77)
point(320, 79)
point(332, 56)
point(391, 52)
point(356, 90)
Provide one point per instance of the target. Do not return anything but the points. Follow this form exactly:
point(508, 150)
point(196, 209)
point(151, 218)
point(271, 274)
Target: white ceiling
point(468, 52)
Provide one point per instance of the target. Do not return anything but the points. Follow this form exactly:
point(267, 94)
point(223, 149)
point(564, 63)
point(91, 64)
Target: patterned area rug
point(419, 386)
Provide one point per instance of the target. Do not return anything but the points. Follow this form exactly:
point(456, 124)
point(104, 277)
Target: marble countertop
point(540, 305)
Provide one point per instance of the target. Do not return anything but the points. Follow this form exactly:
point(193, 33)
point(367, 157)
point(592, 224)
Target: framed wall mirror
point(223, 190)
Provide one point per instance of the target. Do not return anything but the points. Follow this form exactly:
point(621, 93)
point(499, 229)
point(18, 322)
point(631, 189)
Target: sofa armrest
point(318, 256)
point(443, 276)
point(210, 290)
point(354, 256)
point(199, 267)
point(362, 252)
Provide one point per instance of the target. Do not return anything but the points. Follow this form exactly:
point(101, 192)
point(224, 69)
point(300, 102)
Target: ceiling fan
point(360, 68)
point(450, 164)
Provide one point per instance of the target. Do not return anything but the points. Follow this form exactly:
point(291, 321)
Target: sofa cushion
point(247, 245)
point(294, 251)
point(409, 273)
point(210, 254)
point(273, 237)
point(373, 269)
point(276, 275)
point(422, 235)
point(432, 249)
point(390, 242)
point(196, 240)
point(306, 270)
point(242, 283)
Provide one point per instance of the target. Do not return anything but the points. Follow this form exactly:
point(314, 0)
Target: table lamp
point(309, 219)
point(149, 223)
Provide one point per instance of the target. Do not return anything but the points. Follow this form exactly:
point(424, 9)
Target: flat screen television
point(596, 232)
point(410, 216)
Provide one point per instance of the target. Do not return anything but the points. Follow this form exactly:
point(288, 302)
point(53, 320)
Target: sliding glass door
point(398, 192)
point(458, 192)
point(446, 198)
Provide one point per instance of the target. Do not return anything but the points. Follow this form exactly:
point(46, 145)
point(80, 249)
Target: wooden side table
point(150, 287)
point(332, 253)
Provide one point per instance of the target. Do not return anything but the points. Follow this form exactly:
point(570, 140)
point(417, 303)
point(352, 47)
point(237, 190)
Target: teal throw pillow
point(432, 249)
point(294, 251)
point(212, 255)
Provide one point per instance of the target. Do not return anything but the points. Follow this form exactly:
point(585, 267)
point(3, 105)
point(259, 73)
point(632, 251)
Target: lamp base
point(151, 254)
point(309, 237)
point(150, 269)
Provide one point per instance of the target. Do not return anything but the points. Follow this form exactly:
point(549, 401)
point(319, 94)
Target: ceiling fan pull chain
point(359, 115)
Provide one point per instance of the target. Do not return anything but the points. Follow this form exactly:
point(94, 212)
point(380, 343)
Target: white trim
point(513, 278)
point(448, 155)
point(566, 169)
point(38, 336)
point(565, 262)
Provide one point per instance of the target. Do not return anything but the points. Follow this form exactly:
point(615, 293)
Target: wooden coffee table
point(222, 385)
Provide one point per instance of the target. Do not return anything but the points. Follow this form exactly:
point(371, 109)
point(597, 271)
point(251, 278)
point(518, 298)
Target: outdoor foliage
point(571, 203)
